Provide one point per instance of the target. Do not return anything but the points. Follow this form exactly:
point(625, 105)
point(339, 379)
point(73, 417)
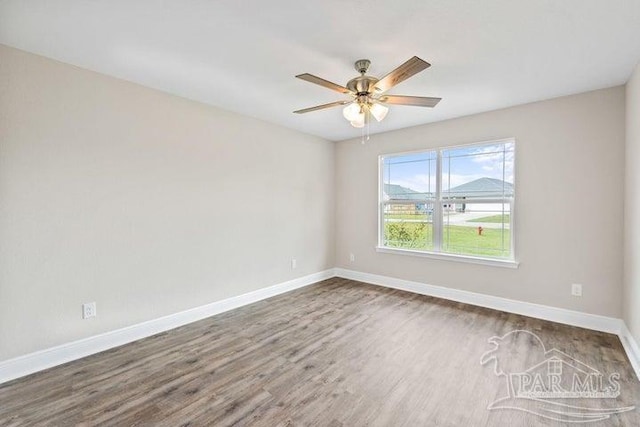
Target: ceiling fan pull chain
point(368, 123)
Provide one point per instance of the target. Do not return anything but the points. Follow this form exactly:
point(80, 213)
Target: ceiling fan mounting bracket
point(362, 65)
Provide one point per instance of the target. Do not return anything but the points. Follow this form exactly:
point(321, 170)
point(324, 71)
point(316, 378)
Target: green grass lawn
point(456, 239)
point(493, 218)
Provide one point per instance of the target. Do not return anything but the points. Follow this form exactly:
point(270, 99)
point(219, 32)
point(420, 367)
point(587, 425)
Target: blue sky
point(459, 165)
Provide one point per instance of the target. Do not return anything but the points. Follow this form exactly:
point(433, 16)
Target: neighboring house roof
point(479, 188)
point(398, 192)
point(482, 187)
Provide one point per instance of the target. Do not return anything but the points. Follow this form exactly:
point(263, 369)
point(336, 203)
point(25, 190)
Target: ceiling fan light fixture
point(352, 111)
point(378, 111)
point(359, 121)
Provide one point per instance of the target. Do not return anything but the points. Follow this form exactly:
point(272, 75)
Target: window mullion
point(437, 208)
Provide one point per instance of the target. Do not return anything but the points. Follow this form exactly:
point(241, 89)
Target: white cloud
point(495, 158)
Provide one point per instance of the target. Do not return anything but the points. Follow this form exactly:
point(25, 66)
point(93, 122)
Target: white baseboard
point(44, 359)
point(554, 314)
point(631, 348)
point(544, 312)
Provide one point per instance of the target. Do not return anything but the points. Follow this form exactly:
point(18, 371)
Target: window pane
point(478, 171)
point(409, 177)
point(464, 210)
point(480, 229)
point(408, 225)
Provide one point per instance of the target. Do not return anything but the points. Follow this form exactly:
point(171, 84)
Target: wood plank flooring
point(337, 353)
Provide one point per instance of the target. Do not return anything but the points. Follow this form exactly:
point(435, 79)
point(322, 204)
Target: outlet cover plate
point(89, 310)
point(576, 290)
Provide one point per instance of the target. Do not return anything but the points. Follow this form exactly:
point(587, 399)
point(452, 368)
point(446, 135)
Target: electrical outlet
point(576, 290)
point(89, 310)
point(294, 263)
point(352, 257)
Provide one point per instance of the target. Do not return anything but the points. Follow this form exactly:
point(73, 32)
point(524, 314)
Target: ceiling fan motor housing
point(362, 85)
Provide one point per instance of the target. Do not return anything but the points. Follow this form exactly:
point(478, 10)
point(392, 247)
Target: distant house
point(409, 201)
point(481, 188)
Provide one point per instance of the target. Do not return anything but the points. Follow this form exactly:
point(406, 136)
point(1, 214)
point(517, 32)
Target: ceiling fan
point(367, 93)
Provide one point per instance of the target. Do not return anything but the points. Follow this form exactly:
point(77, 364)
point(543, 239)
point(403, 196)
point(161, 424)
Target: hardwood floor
point(337, 353)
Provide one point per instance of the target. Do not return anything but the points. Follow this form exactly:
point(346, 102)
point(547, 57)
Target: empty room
point(305, 213)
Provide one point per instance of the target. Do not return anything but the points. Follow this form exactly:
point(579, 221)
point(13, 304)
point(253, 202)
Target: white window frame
point(438, 216)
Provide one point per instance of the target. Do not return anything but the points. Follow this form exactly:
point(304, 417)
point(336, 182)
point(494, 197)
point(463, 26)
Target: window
point(454, 201)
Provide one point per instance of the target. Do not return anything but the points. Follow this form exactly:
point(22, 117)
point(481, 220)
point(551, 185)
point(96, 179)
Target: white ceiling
point(242, 55)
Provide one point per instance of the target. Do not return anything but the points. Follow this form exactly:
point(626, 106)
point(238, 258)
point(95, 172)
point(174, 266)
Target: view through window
point(454, 200)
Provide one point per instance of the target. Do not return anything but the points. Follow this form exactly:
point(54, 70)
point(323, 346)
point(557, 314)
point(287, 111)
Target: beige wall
point(144, 202)
point(569, 209)
point(150, 204)
point(632, 211)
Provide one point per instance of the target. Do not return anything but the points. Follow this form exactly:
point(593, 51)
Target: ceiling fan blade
point(322, 82)
point(321, 107)
point(417, 101)
point(400, 74)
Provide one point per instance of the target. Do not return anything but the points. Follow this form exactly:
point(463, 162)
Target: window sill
point(451, 257)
